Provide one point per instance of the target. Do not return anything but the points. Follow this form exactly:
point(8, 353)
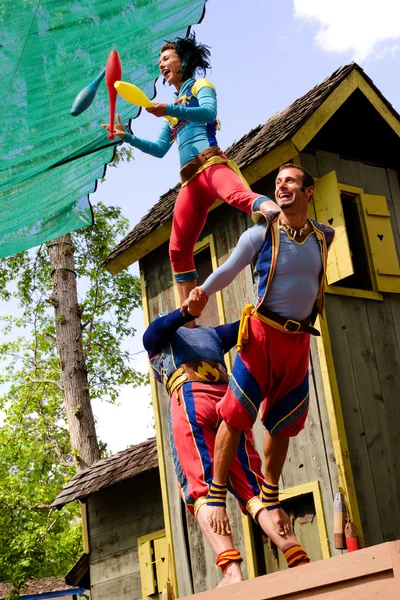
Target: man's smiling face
point(289, 189)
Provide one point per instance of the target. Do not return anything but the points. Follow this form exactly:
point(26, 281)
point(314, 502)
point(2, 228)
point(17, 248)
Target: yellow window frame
point(153, 549)
point(313, 488)
point(328, 208)
point(209, 241)
point(382, 280)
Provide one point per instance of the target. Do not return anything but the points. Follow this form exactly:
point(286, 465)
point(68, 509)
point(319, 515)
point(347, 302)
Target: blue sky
point(264, 54)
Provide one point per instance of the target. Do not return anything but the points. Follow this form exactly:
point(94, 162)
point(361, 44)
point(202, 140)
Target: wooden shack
point(126, 550)
point(348, 136)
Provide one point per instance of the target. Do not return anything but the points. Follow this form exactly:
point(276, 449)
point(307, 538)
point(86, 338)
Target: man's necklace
point(291, 231)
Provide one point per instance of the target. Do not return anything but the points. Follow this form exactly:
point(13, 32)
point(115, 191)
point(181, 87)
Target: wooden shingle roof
point(108, 471)
point(280, 128)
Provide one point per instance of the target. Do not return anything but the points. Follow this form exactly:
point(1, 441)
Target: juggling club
point(86, 96)
point(113, 74)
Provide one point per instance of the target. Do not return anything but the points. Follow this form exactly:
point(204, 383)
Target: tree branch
point(48, 337)
point(52, 381)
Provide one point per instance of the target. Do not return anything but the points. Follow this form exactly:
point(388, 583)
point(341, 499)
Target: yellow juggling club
point(134, 95)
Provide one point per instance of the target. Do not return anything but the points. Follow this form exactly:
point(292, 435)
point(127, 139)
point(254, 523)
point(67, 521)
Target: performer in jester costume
point(271, 367)
point(206, 173)
point(190, 363)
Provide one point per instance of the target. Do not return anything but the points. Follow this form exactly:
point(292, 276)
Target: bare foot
point(281, 521)
point(232, 574)
point(219, 521)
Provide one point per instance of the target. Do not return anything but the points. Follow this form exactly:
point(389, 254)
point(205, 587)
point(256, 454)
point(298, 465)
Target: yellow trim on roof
point(327, 109)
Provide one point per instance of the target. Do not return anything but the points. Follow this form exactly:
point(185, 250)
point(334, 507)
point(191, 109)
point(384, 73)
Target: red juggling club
point(113, 74)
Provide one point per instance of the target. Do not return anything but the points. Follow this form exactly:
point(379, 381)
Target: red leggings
point(271, 372)
point(193, 423)
point(191, 207)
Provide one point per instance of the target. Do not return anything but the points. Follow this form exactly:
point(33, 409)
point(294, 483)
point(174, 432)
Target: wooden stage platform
point(370, 573)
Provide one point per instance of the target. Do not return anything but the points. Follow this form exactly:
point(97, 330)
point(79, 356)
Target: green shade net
point(49, 51)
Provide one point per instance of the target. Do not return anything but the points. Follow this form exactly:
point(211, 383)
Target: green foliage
point(121, 154)
point(35, 463)
point(35, 453)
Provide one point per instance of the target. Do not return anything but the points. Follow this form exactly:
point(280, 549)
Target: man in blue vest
point(271, 368)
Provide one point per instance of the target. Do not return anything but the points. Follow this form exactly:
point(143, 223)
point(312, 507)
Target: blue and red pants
point(190, 213)
point(271, 372)
point(193, 424)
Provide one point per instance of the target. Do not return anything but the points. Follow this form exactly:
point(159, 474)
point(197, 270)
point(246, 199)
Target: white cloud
point(356, 26)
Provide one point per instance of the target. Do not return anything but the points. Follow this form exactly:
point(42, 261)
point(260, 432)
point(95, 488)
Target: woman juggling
point(206, 173)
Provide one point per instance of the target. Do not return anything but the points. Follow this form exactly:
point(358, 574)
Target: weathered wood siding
point(117, 516)
point(365, 337)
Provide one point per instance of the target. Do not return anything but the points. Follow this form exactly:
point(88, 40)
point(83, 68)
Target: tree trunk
point(74, 377)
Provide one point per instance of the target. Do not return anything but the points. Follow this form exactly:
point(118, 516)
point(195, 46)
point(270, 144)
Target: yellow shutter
point(381, 243)
point(161, 558)
point(146, 568)
point(328, 210)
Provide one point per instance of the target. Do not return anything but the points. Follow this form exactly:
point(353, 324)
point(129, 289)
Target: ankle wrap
point(228, 556)
point(270, 496)
point(296, 556)
point(217, 494)
point(254, 506)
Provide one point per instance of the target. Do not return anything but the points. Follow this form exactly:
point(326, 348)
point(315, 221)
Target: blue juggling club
point(86, 96)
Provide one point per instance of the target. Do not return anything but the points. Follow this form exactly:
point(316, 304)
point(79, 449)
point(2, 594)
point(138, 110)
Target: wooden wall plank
point(117, 516)
point(118, 588)
point(394, 301)
point(394, 205)
point(309, 162)
point(123, 538)
point(385, 346)
point(120, 564)
point(338, 322)
point(327, 162)
point(102, 503)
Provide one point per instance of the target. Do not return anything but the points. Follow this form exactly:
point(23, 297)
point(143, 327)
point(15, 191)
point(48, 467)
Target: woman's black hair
point(194, 56)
